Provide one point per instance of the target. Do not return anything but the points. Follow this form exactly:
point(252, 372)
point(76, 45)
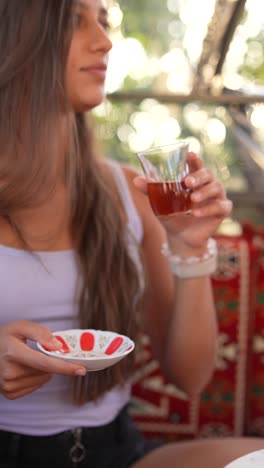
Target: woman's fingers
point(207, 192)
point(17, 372)
point(15, 349)
point(194, 162)
point(22, 392)
point(24, 385)
point(199, 178)
point(27, 330)
point(22, 369)
point(20, 353)
point(51, 365)
point(217, 208)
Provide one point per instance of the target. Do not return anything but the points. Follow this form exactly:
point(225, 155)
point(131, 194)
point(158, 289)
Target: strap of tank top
point(134, 221)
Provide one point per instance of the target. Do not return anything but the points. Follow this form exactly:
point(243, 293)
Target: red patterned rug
point(160, 409)
point(255, 377)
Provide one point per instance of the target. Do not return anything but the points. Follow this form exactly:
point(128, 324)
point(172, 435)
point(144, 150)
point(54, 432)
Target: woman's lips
point(99, 71)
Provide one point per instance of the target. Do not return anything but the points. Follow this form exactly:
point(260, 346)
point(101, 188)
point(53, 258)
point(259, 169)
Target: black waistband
point(12, 445)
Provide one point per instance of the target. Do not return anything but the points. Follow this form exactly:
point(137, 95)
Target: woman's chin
point(86, 105)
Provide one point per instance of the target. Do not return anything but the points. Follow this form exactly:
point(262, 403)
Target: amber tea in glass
point(165, 168)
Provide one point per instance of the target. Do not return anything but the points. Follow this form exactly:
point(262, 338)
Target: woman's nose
point(100, 40)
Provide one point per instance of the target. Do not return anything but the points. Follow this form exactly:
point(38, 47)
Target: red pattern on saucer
point(65, 348)
point(87, 341)
point(114, 345)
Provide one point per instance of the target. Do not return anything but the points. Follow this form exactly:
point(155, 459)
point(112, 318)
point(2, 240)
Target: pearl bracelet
point(194, 266)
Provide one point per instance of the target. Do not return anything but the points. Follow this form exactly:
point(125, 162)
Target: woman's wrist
point(179, 247)
point(192, 266)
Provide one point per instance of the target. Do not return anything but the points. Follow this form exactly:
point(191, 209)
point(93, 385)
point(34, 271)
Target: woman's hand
point(209, 207)
point(23, 370)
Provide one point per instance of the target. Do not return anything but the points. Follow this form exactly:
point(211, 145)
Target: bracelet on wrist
point(193, 266)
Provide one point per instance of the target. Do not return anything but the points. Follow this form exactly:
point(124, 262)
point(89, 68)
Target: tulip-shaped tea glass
point(165, 168)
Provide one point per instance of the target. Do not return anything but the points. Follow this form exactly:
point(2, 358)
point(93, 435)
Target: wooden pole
point(170, 98)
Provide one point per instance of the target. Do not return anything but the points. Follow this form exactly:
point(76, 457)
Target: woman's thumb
point(140, 183)
point(33, 331)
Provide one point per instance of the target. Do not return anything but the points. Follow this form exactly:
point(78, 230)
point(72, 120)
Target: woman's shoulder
point(128, 169)
point(150, 222)
point(140, 199)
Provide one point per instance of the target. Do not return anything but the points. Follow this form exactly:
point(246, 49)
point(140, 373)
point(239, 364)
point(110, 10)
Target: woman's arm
point(179, 314)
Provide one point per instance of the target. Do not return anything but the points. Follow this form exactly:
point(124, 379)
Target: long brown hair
point(34, 44)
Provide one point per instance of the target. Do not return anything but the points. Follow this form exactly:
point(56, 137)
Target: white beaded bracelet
point(192, 267)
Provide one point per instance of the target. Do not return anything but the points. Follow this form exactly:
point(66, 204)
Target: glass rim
point(154, 149)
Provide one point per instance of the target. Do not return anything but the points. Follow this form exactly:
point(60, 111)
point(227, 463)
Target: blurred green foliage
point(148, 22)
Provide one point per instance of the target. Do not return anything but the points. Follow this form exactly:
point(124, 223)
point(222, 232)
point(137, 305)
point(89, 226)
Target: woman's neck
point(43, 227)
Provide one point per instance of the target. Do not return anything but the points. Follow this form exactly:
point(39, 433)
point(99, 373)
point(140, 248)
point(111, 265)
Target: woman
point(75, 232)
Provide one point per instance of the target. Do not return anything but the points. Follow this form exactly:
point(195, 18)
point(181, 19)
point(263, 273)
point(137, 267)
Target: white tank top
point(46, 296)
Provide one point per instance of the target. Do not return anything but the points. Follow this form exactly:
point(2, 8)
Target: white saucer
point(93, 349)
point(251, 460)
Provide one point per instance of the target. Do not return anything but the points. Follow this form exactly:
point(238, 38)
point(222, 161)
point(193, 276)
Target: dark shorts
point(116, 445)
